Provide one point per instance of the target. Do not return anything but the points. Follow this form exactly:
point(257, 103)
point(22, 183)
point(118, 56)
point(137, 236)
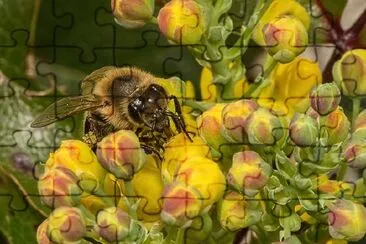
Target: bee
point(125, 98)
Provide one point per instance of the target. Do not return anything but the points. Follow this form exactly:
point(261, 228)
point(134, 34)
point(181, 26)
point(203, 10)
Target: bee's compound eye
point(134, 109)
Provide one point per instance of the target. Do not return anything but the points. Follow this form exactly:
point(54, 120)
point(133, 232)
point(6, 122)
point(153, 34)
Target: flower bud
point(210, 126)
point(66, 224)
point(346, 220)
point(249, 172)
point(351, 71)
point(232, 212)
point(303, 130)
point(337, 126)
point(59, 187)
point(133, 13)
point(263, 127)
point(235, 115)
point(81, 160)
point(42, 237)
point(355, 154)
point(120, 153)
point(181, 203)
point(178, 150)
point(277, 9)
point(285, 37)
point(325, 98)
point(360, 121)
point(113, 224)
point(205, 176)
point(182, 21)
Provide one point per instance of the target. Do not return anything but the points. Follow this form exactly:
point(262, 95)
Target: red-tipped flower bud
point(355, 154)
point(346, 220)
point(263, 127)
point(59, 187)
point(182, 21)
point(303, 130)
point(249, 172)
point(133, 13)
point(121, 154)
point(181, 203)
point(235, 115)
point(66, 224)
point(337, 126)
point(350, 71)
point(286, 37)
point(325, 98)
point(42, 237)
point(113, 224)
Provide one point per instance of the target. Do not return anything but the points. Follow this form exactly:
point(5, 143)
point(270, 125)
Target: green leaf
point(285, 166)
point(291, 223)
point(18, 220)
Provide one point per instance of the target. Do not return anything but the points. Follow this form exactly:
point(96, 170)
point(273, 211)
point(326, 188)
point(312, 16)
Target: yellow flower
point(205, 176)
point(208, 89)
point(279, 8)
point(290, 86)
point(178, 150)
point(182, 21)
point(81, 160)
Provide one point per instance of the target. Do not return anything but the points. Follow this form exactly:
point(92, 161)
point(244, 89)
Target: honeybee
point(115, 98)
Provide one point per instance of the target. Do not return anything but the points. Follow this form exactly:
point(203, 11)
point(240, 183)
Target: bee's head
point(150, 108)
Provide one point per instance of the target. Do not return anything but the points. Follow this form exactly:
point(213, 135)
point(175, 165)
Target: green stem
point(172, 231)
point(129, 199)
point(153, 20)
point(341, 171)
point(355, 109)
point(248, 30)
point(180, 236)
point(261, 234)
point(218, 234)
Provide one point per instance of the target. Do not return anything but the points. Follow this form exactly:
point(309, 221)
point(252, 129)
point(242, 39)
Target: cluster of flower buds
point(349, 71)
point(194, 181)
point(239, 122)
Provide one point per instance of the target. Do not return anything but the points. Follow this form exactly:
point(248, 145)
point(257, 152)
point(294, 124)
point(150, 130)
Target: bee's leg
point(149, 150)
point(178, 118)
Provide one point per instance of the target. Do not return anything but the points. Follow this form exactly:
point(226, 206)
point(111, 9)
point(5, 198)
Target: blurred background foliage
point(46, 48)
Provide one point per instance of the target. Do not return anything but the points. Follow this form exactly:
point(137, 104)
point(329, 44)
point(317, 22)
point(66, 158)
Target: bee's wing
point(66, 107)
